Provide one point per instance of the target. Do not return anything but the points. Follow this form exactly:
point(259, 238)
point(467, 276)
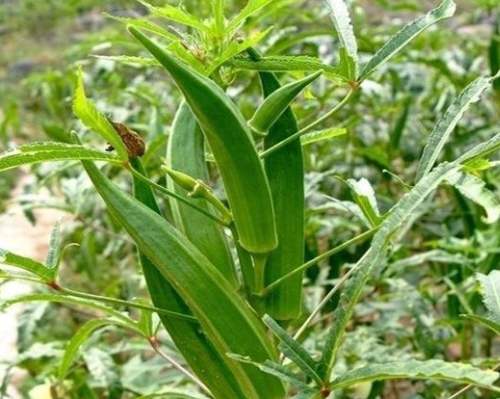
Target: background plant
point(454, 242)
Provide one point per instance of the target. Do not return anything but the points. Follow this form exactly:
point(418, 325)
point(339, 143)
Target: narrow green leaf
point(90, 116)
point(146, 25)
point(176, 14)
point(342, 21)
point(445, 10)
point(192, 343)
point(211, 298)
point(75, 343)
point(252, 7)
point(445, 126)
point(285, 172)
point(186, 153)
point(293, 350)
point(275, 369)
point(375, 256)
point(491, 293)
point(321, 135)
point(277, 103)
point(244, 179)
point(364, 195)
point(494, 54)
point(475, 189)
point(31, 154)
point(55, 247)
point(495, 327)
point(236, 47)
point(69, 300)
point(27, 264)
point(134, 61)
point(300, 63)
point(416, 369)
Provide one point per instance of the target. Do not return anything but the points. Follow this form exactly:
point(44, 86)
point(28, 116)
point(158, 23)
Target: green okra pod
point(285, 171)
point(186, 155)
point(208, 294)
point(277, 103)
point(245, 182)
point(201, 356)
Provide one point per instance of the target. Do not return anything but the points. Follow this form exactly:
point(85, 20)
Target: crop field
point(249, 199)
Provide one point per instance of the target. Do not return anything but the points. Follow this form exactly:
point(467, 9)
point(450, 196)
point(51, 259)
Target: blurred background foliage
point(411, 311)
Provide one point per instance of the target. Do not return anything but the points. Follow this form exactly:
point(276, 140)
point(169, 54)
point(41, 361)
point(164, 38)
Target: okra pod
point(285, 171)
point(245, 182)
point(229, 323)
point(186, 153)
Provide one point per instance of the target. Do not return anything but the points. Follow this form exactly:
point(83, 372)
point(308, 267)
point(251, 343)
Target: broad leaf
point(416, 369)
point(443, 129)
point(445, 10)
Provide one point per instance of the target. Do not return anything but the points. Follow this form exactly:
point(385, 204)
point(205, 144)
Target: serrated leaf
point(445, 10)
point(90, 116)
point(364, 195)
point(236, 47)
point(55, 246)
point(252, 7)
point(147, 26)
point(176, 14)
point(293, 350)
point(475, 189)
point(27, 264)
point(491, 293)
point(416, 369)
point(445, 126)
point(320, 135)
point(374, 258)
point(343, 25)
point(278, 63)
point(273, 368)
point(74, 344)
point(36, 153)
point(120, 317)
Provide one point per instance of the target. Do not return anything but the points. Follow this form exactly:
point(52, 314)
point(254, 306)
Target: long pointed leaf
point(445, 10)
point(443, 129)
point(416, 369)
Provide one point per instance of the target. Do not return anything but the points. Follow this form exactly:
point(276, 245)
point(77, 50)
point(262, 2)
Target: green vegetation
point(265, 199)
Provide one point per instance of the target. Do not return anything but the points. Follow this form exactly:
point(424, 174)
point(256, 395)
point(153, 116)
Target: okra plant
point(223, 256)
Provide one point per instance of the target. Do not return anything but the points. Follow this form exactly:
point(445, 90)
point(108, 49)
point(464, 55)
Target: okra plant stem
point(307, 128)
point(170, 193)
point(359, 238)
point(116, 301)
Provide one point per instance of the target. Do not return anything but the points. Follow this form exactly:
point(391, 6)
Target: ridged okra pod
point(186, 153)
point(227, 320)
point(201, 356)
point(245, 182)
point(285, 171)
